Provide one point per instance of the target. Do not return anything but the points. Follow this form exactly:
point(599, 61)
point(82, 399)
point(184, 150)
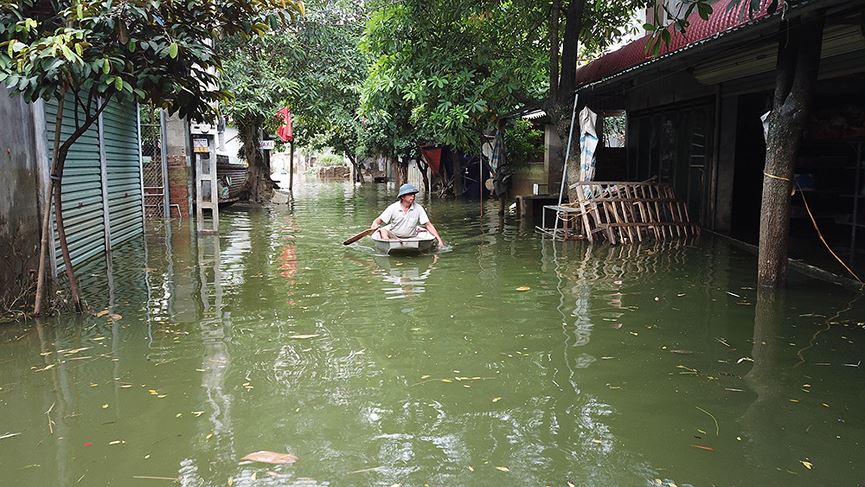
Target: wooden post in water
point(291, 167)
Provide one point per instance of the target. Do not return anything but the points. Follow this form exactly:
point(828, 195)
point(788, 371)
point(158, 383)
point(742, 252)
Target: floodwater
point(631, 365)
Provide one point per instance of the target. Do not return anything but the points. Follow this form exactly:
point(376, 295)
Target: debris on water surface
point(523, 288)
point(8, 435)
point(702, 447)
point(303, 337)
point(807, 464)
point(271, 457)
point(717, 428)
point(503, 469)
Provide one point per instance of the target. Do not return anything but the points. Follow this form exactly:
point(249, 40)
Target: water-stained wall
point(19, 210)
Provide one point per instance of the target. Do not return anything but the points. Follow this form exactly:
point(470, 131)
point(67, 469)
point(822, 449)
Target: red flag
point(284, 130)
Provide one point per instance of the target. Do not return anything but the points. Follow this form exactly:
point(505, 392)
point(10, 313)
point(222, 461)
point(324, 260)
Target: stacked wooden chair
point(626, 212)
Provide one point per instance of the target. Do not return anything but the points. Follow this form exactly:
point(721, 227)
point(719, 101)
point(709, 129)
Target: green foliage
point(443, 71)
point(313, 67)
point(255, 75)
point(523, 143)
point(331, 160)
point(147, 50)
point(330, 74)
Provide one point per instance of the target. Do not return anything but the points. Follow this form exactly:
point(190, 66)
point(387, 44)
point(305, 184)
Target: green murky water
point(618, 366)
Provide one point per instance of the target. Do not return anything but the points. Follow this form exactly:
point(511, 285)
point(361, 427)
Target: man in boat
point(405, 218)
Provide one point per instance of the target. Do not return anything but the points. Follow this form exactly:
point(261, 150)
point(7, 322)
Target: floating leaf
point(807, 464)
point(102, 313)
point(497, 399)
point(271, 457)
point(523, 288)
point(116, 316)
point(503, 469)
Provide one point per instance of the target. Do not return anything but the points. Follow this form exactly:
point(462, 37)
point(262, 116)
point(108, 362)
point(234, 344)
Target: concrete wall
point(525, 177)
point(179, 168)
point(19, 197)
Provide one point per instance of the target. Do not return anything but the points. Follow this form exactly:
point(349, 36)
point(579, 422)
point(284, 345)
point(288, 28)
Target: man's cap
point(407, 188)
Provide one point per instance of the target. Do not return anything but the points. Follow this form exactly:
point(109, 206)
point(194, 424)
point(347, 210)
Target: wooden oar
point(359, 236)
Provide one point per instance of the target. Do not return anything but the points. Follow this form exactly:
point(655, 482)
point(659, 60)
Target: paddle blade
point(359, 236)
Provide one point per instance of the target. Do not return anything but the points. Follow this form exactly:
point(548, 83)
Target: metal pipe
point(565, 165)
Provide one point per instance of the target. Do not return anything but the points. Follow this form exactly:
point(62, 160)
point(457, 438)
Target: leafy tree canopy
point(443, 71)
point(152, 50)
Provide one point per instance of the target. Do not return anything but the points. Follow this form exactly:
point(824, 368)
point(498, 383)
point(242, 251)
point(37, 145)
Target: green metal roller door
point(82, 188)
point(123, 177)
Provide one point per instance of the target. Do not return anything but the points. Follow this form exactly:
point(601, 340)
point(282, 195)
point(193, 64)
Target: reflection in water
point(405, 277)
point(575, 379)
point(762, 420)
point(408, 276)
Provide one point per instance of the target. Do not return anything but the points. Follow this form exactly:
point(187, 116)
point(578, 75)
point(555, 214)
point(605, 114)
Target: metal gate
point(155, 163)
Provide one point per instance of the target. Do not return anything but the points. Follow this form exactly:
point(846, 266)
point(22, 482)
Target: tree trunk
point(572, 165)
point(795, 84)
point(573, 28)
point(402, 163)
point(457, 165)
point(61, 229)
point(555, 11)
point(423, 167)
point(46, 216)
point(259, 186)
point(358, 173)
point(559, 104)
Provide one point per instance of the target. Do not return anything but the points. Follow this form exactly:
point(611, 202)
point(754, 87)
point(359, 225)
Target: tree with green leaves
point(259, 77)
point(84, 54)
point(445, 71)
point(313, 67)
point(330, 74)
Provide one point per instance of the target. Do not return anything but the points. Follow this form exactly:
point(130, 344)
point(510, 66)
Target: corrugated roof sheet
point(722, 21)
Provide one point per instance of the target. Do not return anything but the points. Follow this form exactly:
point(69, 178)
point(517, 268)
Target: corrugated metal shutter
point(123, 177)
point(82, 188)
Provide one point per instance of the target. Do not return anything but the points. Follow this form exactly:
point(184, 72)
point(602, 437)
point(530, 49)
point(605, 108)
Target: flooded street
point(617, 366)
